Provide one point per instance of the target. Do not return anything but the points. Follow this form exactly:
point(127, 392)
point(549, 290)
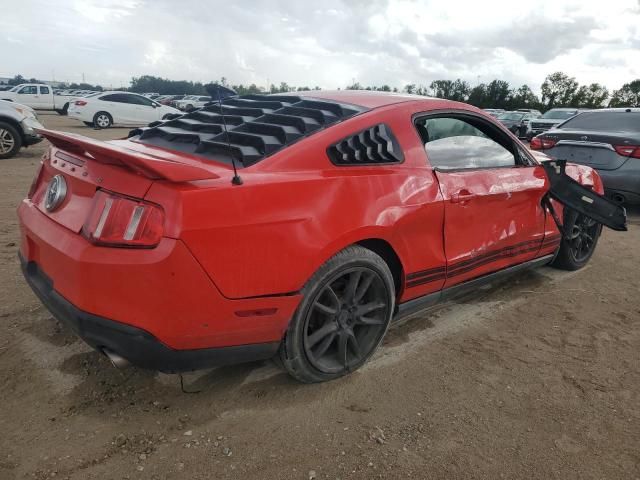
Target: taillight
point(119, 221)
point(80, 103)
point(538, 143)
point(632, 151)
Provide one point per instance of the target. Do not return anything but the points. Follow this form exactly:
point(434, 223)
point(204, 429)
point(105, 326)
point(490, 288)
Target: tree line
point(557, 90)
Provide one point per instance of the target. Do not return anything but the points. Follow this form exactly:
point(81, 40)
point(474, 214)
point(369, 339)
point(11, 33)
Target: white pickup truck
point(37, 96)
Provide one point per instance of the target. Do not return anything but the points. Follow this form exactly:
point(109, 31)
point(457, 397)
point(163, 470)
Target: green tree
point(627, 96)
point(558, 90)
point(478, 96)
point(17, 80)
point(592, 96)
point(457, 90)
point(524, 97)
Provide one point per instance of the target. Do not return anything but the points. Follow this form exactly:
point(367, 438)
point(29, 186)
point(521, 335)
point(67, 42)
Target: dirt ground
point(536, 378)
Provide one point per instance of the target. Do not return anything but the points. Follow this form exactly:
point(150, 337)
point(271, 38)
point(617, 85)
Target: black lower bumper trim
point(134, 344)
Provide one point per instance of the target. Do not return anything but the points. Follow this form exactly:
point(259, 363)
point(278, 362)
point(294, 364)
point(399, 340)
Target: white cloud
point(372, 41)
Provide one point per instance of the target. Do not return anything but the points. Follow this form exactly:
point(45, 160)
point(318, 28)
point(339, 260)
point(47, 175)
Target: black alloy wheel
point(582, 238)
point(345, 311)
point(346, 321)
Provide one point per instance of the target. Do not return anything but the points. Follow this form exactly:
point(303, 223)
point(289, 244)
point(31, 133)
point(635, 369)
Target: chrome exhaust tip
point(116, 360)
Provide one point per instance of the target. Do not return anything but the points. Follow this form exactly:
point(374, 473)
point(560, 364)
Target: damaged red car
point(348, 210)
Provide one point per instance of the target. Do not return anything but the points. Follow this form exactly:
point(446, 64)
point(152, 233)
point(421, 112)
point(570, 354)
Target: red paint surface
point(229, 249)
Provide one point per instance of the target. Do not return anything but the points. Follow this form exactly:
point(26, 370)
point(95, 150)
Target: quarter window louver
point(375, 145)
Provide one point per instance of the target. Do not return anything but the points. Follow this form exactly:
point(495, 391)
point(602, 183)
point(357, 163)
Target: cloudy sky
point(328, 43)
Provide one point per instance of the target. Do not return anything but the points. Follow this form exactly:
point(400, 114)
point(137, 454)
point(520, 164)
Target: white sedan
point(191, 102)
point(102, 110)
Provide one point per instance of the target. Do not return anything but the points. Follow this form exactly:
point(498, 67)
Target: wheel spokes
point(342, 349)
point(321, 333)
point(346, 320)
point(324, 346)
point(352, 286)
point(362, 320)
point(363, 287)
point(362, 310)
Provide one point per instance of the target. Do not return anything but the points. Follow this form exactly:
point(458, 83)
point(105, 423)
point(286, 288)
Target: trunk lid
point(83, 165)
point(596, 150)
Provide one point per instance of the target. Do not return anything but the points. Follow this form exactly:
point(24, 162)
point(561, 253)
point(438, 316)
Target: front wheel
point(10, 140)
point(579, 242)
point(102, 120)
point(345, 312)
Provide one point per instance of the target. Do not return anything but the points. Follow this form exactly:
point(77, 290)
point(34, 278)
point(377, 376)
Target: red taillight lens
point(119, 221)
point(632, 151)
point(538, 143)
point(80, 103)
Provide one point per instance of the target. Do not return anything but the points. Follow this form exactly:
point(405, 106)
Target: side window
point(457, 143)
point(110, 98)
point(138, 100)
point(29, 90)
point(44, 90)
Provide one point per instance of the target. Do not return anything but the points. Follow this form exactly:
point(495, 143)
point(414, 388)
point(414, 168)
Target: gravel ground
point(538, 377)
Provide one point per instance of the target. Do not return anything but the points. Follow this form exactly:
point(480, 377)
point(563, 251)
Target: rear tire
point(102, 120)
point(10, 140)
point(345, 312)
point(576, 251)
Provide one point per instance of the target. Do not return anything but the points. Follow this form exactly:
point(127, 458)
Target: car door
point(45, 101)
point(29, 96)
point(492, 193)
point(143, 110)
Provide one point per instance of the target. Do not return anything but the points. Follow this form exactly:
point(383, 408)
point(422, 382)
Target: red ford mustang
point(350, 209)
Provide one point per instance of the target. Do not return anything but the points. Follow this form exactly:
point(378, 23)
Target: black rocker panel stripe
point(439, 273)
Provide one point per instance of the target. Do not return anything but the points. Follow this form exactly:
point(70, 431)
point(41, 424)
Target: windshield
point(559, 114)
point(14, 89)
point(511, 116)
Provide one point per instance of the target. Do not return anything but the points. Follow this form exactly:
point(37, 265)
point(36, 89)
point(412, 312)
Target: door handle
point(462, 196)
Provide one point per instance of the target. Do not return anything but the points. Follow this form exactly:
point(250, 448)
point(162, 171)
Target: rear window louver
point(258, 126)
point(375, 145)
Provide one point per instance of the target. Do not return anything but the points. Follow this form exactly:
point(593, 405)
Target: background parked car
point(494, 112)
point(17, 124)
point(516, 122)
point(550, 119)
point(118, 108)
point(192, 102)
point(607, 140)
point(35, 95)
point(171, 99)
point(538, 113)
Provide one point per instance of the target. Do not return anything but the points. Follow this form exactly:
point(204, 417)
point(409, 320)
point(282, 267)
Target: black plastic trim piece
point(265, 123)
point(372, 146)
point(138, 346)
point(582, 199)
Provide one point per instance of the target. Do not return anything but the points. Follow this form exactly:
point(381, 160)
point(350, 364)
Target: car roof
point(619, 110)
point(362, 98)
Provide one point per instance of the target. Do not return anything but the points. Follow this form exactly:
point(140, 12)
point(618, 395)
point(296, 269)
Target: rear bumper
point(32, 139)
point(163, 291)
point(624, 181)
point(134, 344)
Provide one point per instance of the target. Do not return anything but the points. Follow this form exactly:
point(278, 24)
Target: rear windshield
point(559, 114)
point(605, 122)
